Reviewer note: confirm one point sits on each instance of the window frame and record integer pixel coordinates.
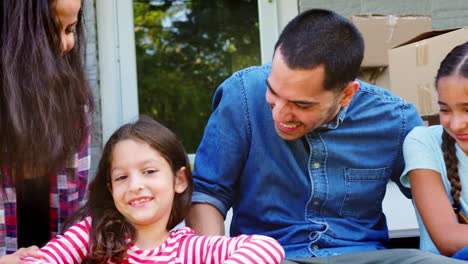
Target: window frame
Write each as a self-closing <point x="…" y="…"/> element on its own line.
<point x="273" y="15"/>
<point x="116" y="64"/>
<point x="117" y="59"/>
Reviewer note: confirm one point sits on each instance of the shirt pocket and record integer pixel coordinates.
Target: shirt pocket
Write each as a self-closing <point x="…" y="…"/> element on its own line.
<point x="365" y="190"/>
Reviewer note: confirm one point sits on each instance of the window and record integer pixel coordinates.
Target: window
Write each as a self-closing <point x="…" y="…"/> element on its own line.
<point x="185" y="50"/>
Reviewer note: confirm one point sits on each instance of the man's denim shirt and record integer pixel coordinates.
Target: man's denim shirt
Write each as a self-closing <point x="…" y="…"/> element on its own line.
<point x="318" y="196"/>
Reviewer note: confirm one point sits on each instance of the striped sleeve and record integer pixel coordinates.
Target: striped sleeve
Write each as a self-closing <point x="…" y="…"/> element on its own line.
<point x="231" y="250"/>
<point x="71" y="247"/>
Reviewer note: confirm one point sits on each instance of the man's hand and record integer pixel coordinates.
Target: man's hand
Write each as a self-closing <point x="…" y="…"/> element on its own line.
<point x="16" y="257"/>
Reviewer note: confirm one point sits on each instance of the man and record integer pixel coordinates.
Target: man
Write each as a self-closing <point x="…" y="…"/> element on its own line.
<point x="303" y="152"/>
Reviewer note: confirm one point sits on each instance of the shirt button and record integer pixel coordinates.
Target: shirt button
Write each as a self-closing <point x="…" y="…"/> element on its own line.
<point x="316" y="203"/>
<point x="316" y="165"/>
<point x="315" y="247"/>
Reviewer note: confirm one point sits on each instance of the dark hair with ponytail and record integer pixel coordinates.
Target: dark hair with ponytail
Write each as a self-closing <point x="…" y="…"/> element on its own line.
<point x="451" y="164"/>
<point x="455" y="63"/>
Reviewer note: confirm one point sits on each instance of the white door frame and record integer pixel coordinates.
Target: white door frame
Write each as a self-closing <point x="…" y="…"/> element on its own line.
<point x="116" y="64"/>
<point x="273" y="15"/>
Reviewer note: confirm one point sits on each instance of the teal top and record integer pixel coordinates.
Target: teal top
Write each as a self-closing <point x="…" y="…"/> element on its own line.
<point x="422" y="150"/>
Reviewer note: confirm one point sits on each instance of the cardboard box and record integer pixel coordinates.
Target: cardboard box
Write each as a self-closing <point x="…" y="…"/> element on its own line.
<point x="413" y="66"/>
<point x="382" y="32"/>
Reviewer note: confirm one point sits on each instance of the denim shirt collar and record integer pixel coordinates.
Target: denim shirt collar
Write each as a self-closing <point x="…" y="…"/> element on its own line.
<point x="336" y="121"/>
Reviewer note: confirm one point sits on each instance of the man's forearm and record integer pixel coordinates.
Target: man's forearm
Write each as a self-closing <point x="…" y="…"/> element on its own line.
<point x="205" y="219"/>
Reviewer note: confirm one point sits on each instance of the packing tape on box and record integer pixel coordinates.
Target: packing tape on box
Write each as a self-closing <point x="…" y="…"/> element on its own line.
<point x="391" y="23"/>
<point x="422" y="53"/>
<point x="425" y="101"/>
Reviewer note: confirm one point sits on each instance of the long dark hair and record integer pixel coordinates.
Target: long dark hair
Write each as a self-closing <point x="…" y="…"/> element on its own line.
<point x="44" y="96"/>
<point x="455" y="63"/>
<point x="109" y="227"/>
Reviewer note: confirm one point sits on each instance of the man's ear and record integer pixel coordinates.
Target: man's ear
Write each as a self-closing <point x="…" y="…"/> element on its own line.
<point x="349" y="93"/>
<point x="181" y="181"/>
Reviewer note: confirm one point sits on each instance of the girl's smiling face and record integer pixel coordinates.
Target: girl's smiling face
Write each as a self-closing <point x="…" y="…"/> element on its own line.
<point x="143" y="184"/>
<point x="453" y="102"/>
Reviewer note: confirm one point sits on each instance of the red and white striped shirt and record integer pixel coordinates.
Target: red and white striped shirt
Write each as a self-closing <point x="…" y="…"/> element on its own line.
<point x="182" y="246"/>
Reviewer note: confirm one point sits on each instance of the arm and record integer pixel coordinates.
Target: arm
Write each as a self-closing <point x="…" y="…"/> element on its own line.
<point x="411" y="120"/>
<point x="71" y="247"/>
<point x="205" y="219"/>
<point x="252" y="249"/>
<point x="436" y="211"/>
<point x="219" y="160"/>
<point x="21" y="253"/>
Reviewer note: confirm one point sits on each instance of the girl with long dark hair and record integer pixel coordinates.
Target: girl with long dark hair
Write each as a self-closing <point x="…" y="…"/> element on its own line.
<point x="436" y="160"/>
<point x="142" y="190"/>
<point x="45" y="103"/>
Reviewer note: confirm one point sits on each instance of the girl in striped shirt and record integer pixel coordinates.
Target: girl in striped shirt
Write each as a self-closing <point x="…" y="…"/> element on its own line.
<point x="141" y="191"/>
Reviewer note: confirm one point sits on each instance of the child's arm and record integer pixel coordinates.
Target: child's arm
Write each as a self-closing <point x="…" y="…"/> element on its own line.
<point x="71" y="247"/>
<point x="253" y="249"/>
<point x="436" y="211"/>
<point x="16" y="257"/>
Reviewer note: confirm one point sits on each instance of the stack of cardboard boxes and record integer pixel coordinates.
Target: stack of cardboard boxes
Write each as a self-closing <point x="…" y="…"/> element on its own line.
<point x="402" y="54"/>
<point x="414" y="64"/>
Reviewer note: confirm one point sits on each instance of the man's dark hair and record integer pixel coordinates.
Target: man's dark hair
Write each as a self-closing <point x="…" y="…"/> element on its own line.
<point x="319" y="36"/>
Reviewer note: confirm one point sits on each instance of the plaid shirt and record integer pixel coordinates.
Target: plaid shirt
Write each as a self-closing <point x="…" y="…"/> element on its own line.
<point x="67" y="193"/>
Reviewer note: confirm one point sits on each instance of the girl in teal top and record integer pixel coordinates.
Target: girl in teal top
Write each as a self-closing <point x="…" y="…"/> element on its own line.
<point x="436" y="160"/>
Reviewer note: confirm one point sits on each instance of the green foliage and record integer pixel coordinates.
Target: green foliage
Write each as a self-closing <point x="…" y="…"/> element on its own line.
<point x="185" y="49"/>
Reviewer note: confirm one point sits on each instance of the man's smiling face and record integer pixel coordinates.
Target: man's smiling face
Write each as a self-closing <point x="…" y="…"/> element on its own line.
<point x="298" y="101"/>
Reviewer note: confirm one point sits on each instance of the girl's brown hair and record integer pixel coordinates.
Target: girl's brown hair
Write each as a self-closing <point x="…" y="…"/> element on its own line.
<point x="455" y="63"/>
<point x="109" y="227"/>
<point x="44" y="96"/>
